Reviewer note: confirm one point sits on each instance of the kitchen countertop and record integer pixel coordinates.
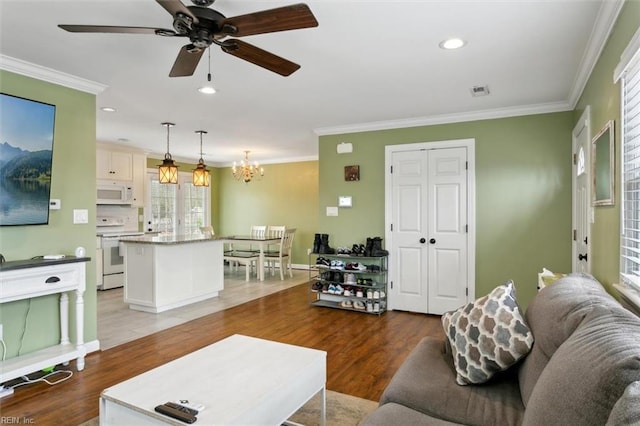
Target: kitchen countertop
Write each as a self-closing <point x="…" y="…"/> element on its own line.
<point x="169" y="239"/>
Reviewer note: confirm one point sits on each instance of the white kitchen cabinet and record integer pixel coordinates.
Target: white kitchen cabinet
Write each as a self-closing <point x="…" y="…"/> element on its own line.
<point x="139" y="174"/>
<point x="114" y="165"/>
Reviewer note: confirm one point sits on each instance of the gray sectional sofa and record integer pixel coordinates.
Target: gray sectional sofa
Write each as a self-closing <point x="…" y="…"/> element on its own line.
<point x="583" y="369"/>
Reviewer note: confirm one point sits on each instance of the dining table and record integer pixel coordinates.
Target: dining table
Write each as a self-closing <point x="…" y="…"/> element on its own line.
<point x="261" y="242"/>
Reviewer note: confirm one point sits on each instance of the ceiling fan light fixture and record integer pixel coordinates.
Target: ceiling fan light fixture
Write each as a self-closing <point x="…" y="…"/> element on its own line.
<point x="168" y="171"/>
<point x="207" y="90"/>
<point x="452" y="44"/>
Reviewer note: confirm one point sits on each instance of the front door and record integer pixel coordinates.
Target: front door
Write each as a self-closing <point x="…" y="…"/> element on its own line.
<point x="428" y="204"/>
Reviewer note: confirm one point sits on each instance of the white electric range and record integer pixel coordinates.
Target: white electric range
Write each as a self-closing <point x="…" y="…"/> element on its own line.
<point x="109" y="230"/>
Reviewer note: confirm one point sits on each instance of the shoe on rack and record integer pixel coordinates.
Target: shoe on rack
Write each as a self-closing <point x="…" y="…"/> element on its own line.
<point x="358" y="305"/>
<point x="332" y="289"/>
<point x="359" y="292"/>
<point x="325" y="288"/>
<point x="338" y="289"/>
<point x="316" y="287"/>
<point x="337" y="264"/>
<point x="348" y="291"/>
<point x="346" y="304"/>
<point x="373" y="268"/>
<point x="322" y="261"/>
<point x="349" y="278"/>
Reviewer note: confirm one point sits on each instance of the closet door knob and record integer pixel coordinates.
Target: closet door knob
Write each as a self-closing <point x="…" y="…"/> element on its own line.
<point x="422" y="241"/>
<point x="432" y="241"/>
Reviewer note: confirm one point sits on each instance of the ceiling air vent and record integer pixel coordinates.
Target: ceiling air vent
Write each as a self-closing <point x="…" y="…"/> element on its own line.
<point x="479" y="91"/>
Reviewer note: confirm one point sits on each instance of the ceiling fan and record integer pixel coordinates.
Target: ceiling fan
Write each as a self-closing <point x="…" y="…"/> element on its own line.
<point x="204" y="26"/>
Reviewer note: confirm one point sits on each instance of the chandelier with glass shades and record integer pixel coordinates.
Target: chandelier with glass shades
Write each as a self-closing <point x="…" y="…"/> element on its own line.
<point x="168" y="171"/>
<point x="201" y="176"/>
<point x="247" y="171"/>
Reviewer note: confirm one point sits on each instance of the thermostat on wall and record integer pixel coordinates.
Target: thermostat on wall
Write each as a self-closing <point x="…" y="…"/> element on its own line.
<point x="344" y="201"/>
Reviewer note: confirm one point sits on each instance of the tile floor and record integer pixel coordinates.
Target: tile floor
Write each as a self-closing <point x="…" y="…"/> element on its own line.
<point x="118" y="324"/>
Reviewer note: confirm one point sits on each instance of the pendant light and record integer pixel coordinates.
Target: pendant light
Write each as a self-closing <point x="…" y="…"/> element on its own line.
<point x="168" y="171"/>
<point x="201" y="175"/>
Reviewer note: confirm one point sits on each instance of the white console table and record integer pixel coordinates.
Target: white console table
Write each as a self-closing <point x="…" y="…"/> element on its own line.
<point x="27" y="279"/>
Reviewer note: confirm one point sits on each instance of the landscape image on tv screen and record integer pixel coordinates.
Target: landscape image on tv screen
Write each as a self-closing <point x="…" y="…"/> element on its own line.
<point x="26" y="152"/>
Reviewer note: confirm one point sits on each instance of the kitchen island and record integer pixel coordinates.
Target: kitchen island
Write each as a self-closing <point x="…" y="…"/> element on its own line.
<point x="166" y="272"/>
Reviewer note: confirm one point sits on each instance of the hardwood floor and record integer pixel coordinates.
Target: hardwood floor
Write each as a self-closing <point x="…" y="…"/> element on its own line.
<point x="363" y="352"/>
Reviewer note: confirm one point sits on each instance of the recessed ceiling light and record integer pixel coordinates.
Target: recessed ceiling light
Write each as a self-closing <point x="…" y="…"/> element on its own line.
<point x="208" y="90"/>
<point x="452" y="43"/>
<point x="108" y="109"/>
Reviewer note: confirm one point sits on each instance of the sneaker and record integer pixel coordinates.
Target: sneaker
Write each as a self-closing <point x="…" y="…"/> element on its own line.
<point x="348" y="291"/>
<point x="373" y="268"/>
<point x="331" y="289"/>
<point x="346" y="304"/>
<point x="325" y="288"/>
<point x="338" y="289"/>
<point x="360" y="267"/>
<point x="322" y="261"/>
<point x="316" y="287"/>
<point x="358" y="305"/>
<point x="337" y="264"/>
<point x="359" y="292"/>
<point x="349" y="278"/>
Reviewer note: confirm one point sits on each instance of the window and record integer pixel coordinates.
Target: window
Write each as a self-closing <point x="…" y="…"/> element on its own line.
<point x="176" y="209"/>
<point x="629" y="71"/>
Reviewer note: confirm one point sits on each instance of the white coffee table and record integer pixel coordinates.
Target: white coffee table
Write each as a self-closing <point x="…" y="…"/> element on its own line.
<point x="240" y="380"/>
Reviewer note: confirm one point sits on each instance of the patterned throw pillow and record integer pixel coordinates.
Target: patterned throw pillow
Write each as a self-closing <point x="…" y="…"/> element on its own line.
<point x="487" y="336"/>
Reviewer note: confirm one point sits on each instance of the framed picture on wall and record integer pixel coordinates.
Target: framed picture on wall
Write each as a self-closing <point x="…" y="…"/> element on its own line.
<point x="602" y="157"/>
<point x="351" y="173"/>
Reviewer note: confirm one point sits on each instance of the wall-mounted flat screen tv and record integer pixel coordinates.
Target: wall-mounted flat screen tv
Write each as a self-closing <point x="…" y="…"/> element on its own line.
<point x="26" y="153"/>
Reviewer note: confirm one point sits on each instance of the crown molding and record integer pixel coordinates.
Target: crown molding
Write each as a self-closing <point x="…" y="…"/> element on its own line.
<point x="607" y="16"/>
<point x="49" y="75"/>
<point x="446" y="118"/>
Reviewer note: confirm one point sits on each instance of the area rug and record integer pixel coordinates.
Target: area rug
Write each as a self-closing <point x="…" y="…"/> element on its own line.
<point x="342" y="410"/>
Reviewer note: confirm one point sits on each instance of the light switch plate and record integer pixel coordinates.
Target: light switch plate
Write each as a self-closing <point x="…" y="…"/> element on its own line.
<point x="332" y="211"/>
<point x="80" y="216"/>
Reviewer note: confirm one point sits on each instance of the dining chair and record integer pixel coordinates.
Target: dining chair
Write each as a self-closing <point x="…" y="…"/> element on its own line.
<point x="283" y="256"/>
<point x="207" y="231"/>
<point x="242" y="258"/>
<point x="275" y="231"/>
<point x="257" y="231"/>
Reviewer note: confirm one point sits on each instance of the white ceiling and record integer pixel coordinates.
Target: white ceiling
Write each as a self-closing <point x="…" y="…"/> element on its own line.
<point x="368" y="65"/>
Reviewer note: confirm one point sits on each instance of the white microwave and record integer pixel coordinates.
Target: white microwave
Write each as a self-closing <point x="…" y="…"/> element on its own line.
<point x="114" y="193"/>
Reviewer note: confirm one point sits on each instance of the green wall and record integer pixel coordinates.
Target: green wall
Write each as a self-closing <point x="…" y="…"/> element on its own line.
<point x="74" y="153"/>
<point x="603" y="97"/>
<point x="523" y="192"/>
<point x="286" y="195"/>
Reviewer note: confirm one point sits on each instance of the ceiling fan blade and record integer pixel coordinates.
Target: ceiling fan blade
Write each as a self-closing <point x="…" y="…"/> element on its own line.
<point x="285" y="18"/>
<point x="114" y="29"/>
<point x="257" y="56"/>
<point x="176" y="6"/>
<point x="186" y="62"/>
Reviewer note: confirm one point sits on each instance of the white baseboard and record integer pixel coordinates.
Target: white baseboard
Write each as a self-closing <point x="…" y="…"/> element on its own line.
<point x="92" y="346"/>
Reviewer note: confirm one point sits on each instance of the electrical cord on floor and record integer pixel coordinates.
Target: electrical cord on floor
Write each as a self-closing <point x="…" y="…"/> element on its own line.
<point x="28" y="381"/>
<point x="24" y="329"/>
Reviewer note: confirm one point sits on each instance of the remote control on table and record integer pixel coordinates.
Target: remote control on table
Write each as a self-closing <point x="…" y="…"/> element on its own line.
<point x="190" y="404"/>
<point x="176" y="414"/>
<point x="182" y="408"/>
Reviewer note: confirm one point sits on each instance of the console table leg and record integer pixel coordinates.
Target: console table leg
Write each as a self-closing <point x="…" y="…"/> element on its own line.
<point x="64" y="319"/>
<point x="82" y="351"/>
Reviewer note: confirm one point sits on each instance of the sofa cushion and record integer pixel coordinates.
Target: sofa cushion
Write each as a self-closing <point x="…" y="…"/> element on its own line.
<point x="626" y="412"/>
<point x="589" y="372"/>
<point x="396" y="414"/>
<point x="426" y="382"/>
<point x="487" y="336"/>
<point x="553" y="315"/>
